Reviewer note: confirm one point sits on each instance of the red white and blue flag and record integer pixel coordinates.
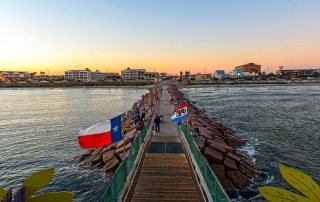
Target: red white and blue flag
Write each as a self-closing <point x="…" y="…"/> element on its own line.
<point x="101" y="134"/>
<point x="180" y="113"/>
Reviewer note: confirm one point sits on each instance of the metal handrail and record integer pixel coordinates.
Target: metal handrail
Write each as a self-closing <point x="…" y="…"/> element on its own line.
<point x="123" y="173"/>
<point x="118" y="180"/>
<point x="212" y="187"/>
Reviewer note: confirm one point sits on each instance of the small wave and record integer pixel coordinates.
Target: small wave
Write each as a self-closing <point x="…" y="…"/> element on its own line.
<point x="269" y="180"/>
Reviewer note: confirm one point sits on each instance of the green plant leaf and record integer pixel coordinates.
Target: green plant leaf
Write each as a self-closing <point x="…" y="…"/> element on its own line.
<point x="301" y="181"/>
<point x="37" y="181"/>
<point x="52" y="197"/>
<point x="280" y="195"/>
<point x="2" y="192"/>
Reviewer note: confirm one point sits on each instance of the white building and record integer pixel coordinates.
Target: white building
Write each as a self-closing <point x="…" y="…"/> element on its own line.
<point x="132" y="74"/>
<point x="78" y="75"/>
<point x="14" y="75"/>
<point x="102" y="76"/>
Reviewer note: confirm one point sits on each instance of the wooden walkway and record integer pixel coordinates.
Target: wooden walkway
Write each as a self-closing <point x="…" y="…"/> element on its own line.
<point x="165" y="177"/>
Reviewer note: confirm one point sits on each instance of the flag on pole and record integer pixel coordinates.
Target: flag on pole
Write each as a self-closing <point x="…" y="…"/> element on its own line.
<point x="180" y="113"/>
<point x="101" y="134"/>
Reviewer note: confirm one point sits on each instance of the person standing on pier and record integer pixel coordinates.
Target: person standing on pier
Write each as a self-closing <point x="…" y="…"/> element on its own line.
<point x="157" y="122"/>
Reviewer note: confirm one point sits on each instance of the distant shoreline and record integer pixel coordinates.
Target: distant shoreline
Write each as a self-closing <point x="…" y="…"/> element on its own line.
<point x="216" y="85"/>
<point x="131" y="85"/>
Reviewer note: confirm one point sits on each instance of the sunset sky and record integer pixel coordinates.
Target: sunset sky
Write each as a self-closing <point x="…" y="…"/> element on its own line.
<point x="165" y="35"/>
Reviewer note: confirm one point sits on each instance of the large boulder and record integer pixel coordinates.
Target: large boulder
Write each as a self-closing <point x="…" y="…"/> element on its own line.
<point x="200" y="142"/>
<point x="213" y="155"/>
<point x="239" y="179"/>
<point x="218" y="170"/>
<point x="109" y="147"/>
<point x="96" y="159"/>
<point x="206" y="135"/>
<point x="121" y="143"/>
<point x="84" y="155"/>
<point x="237" y="158"/>
<point x="123" y="149"/>
<point x="247" y="169"/>
<point x="221" y="147"/>
<point x="227" y="185"/>
<point x="97" y="151"/>
<point x="112" y="165"/>
<point x="219" y="139"/>
<point x="130" y="135"/>
<point x="234" y="141"/>
<point x="230" y="164"/>
<point x="108" y="156"/>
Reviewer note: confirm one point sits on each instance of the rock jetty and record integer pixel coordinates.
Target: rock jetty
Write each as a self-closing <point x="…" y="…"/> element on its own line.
<point x="109" y="157"/>
<point x="219" y="144"/>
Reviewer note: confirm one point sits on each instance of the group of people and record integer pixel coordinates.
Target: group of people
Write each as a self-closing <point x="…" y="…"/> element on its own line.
<point x="138" y="117"/>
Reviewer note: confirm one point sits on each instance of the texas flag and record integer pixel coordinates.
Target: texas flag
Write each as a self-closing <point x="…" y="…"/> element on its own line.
<point x="180" y="113"/>
<point x="101" y="134"/>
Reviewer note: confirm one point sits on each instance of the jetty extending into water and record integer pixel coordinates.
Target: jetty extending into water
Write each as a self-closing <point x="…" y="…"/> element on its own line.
<point x="164" y="166"/>
<point x="195" y="160"/>
<point x="165" y="173"/>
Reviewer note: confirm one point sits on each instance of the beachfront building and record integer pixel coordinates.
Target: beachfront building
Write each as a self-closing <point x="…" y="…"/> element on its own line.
<point x="200" y="77"/>
<point x="78" y="75"/>
<point x="250" y="67"/>
<point x="298" y="72"/>
<point x="219" y="74"/>
<point x="102" y="76"/>
<point x="14" y="76"/>
<point x="133" y="74"/>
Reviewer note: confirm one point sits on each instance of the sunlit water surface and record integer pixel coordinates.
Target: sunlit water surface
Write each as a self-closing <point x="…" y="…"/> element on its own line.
<point x="39" y="128"/>
<point x="281" y="125"/>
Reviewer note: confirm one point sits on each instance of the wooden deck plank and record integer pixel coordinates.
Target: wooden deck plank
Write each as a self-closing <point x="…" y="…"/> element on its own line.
<point x="165" y="177"/>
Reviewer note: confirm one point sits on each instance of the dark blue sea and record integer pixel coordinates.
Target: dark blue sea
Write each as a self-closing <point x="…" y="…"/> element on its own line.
<point x="280" y="123"/>
<point x="39" y="128"/>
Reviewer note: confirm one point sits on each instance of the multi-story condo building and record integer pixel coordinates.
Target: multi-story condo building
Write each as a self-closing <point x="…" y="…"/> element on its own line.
<point x="133" y="74"/>
<point x="88" y="75"/>
<point x="14" y="75"/>
<point x="250" y="67"/>
<point x="78" y="75"/>
<point x="101" y="76"/>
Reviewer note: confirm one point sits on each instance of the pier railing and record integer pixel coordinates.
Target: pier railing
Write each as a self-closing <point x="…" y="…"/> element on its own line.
<point x="119" y="178"/>
<point x="209" y="181"/>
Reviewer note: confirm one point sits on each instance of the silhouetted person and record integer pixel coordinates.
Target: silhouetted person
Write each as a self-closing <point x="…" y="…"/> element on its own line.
<point x="157" y="122"/>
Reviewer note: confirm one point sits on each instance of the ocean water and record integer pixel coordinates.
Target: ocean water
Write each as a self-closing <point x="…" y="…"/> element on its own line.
<point x="280" y="123"/>
<point x="39" y="128"/>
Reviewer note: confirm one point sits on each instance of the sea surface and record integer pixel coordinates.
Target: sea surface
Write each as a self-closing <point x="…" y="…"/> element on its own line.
<point x="280" y="123"/>
<point x="39" y="128"/>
